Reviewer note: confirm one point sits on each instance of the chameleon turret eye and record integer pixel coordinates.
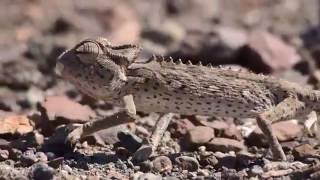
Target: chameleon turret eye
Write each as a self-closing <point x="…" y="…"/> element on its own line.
<point x="88" y="51"/>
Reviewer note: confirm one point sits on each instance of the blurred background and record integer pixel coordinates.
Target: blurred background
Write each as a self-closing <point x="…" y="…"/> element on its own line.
<point x="278" y="37"/>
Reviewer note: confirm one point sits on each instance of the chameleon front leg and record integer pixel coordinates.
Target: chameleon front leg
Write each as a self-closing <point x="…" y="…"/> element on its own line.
<point x="126" y="116"/>
<point x="146" y="150"/>
<point x="287" y="109"/>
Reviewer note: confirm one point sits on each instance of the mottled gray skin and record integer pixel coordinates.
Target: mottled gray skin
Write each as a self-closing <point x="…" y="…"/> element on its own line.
<point x="107" y="72"/>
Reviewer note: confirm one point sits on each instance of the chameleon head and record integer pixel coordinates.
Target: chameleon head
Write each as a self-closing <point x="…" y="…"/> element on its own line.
<point x="90" y="65"/>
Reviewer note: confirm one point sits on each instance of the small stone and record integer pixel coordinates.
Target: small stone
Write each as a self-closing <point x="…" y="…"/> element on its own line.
<point x="28" y="158"/>
<point x="4" y="155"/>
<point x="227" y="161"/>
<point x="179" y="128"/>
<point x="50" y="155"/>
<point x="41" y="156"/>
<point x="162" y="164"/>
<point x="41" y="171"/>
<point x="148" y="176"/>
<point x="286" y="130"/>
<point x="256" y="170"/>
<point x="266" y="52"/>
<point x="199" y="135"/>
<point x="225" y="145"/>
<point x="188" y="163"/>
<point x="208" y="160"/>
<point x="15" y="124"/>
<point x="129" y="140"/>
<point x="303" y="151"/>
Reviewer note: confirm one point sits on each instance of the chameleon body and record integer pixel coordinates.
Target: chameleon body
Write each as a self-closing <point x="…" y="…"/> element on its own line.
<point x="110" y="73"/>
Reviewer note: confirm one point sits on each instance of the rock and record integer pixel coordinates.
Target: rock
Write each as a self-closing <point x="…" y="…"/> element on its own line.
<point x="227" y="161"/>
<point x="41" y="171"/>
<point x="146" y="176"/>
<point x="266" y="53"/>
<point x="232" y="37"/>
<point x="15" y="124"/>
<point x="188" y="163"/>
<point x="28" y="158"/>
<point x="199" y="135"/>
<point x="162" y="164"/>
<point x="218" y="126"/>
<point x="41" y="156"/>
<point x="233" y="133"/>
<point x="225" y="145"/>
<point x="29" y="140"/>
<point x="208" y="160"/>
<point x="256" y="170"/>
<point x="129" y="140"/>
<point x="9" y="172"/>
<point x="286" y="130"/>
<point x="179" y="128"/>
<point x="303" y="151"/>
<point x="4" y="155"/>
<point x="63" y="107"/>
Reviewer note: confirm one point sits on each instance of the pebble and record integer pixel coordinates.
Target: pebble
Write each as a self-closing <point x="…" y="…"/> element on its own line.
<point x="28" y="158"/>
<point x="41" y="171"/>
<point x="129" y="140"/>
<point x="303" y="151"/>
<point x="188" y="163"/>
<point x="256" y="170"/>
<point x="162" y="164"/>
<point x="146" y="176"/>
<point x="199" y="135"/>
<point x="4" y="155"/>
<point x="225" y="145"/>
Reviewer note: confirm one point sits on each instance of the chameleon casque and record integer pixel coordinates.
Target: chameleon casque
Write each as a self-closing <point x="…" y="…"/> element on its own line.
<point x="111" y="73"/>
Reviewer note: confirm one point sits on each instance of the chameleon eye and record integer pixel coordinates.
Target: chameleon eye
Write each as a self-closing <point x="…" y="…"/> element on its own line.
<point x="88" y="51"/>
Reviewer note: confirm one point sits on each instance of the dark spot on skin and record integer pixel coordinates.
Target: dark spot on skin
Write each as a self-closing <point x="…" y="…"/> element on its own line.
<point x="218" y="102"/>
<point x="227" y="112"/>
<point x="166" y="99"/>
<point x="234" y="110"/>
<point x="188" y="107"/>
<point x="155" y="88"/>
<point x="154" y="96"/>
<point x="158" y="102"/>
<point x="229" y="105"/>
<point x="93" y="87"/>
<point x="160" y="94"/>
<point x="147" y="80"/>
<point x="218" y="109"/>
<point x="178" y="98"/>
<point x="182" y="87"/>
<point x="209" y="108"/>
<point x="199" y="103"/>
<point x="148" y="97"/>
<point x="178" y="108"/>
<point x="208" y="103"/>
<point x="169" y="82"/>
<point x="166" y="107"/>
<point x="191" y="99"/>
<point x="195" y="110"/>
<point x="168" y="94"/>
<point x="145" y="90"/>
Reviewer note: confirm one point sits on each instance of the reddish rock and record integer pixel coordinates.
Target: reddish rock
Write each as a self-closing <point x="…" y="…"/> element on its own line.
<point x="162" y="164"/>
<point x="266" y="52"/>
<point x="303" y="151"/>
<point x="199" y="135"/>
<point x="180" y="127"/>
<point x="287" y="130"/>
<point x="225" y="145"/>
<point x="15" y="124"/>
<point x="61" y="106"/>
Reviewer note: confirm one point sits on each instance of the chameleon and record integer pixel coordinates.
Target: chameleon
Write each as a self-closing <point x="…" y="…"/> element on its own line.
<point x="114" y="74"/>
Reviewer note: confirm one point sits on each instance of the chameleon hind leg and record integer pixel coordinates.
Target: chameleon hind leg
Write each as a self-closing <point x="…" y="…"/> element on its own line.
<point x="285" y="110"/>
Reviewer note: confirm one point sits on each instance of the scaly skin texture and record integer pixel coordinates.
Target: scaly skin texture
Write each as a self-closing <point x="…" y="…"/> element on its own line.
<point x="110" y="73"/>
